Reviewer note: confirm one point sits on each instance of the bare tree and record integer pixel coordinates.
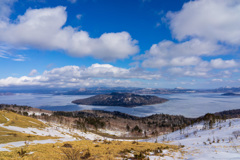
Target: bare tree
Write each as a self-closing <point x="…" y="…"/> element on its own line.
<point x="236" y="134"/>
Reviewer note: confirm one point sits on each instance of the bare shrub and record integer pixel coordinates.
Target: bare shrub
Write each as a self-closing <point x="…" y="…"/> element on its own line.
<point x="67" y="145"/>
<point x="230" y="139"/>
<point x="22" y="152"/>
<point x="236" y="134"/>
<point x="71" y="153"/>
<point x="195" y="132"/>
<point x="235" y="148"/>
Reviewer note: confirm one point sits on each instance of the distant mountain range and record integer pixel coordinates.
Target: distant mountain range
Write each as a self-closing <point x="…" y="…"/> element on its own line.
<point x="107" y="90"/>
<point x="102" y="90"/>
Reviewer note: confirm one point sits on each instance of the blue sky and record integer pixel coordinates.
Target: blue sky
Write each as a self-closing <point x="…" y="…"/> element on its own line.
<point x="137" y="43"/>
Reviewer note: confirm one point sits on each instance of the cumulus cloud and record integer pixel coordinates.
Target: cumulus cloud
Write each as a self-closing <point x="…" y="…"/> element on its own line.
<point x="168" y="53"/>
<point x="191" y="47"/>
<point x="43" y="28"/>
<point x="99" y="71"/>
<point x="185" y="59"/>
<point x="33" y="72"/>
<point x="75" y="76"/>
<point x="220" y="64"/>
<point x="217" y="80"/>
<point x="39" y="81"/>
<point x="205" y="30"/>
<point x="216" y="20"/>
<point x="5" y="8"/>
<point x="201" y="70"/>
<point x="225" y="74"/>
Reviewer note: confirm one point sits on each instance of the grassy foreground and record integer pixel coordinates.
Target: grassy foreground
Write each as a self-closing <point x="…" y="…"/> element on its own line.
<point x="86" y="149"/>
<point x="8" y="118"/>
<point x="19" y="120"/>
<point x="7" y="136"/>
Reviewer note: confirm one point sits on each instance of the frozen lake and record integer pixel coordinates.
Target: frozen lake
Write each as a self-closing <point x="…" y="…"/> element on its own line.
<point x="189" y="105"/>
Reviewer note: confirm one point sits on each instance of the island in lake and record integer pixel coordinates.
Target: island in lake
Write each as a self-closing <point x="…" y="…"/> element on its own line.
<point x="120" y="99"/>
<point x="230" y="94"/>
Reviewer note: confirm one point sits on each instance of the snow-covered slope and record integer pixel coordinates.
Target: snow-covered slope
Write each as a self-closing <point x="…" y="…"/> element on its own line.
<point x="55" y="130"/>
<point x="220" y="140"/>
<point x="204" y="143"/>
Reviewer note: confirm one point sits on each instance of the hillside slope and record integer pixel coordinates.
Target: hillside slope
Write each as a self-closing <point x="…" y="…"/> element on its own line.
<point x="202" y="141"/>
<point x="13" y="127"/>
<point x="37" y="142"/>
<point x="8" y="118"/>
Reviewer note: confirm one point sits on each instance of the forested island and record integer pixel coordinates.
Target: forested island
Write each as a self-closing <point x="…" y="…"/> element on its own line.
<point x="120" y="99"/>
<point x="230" y="94"/>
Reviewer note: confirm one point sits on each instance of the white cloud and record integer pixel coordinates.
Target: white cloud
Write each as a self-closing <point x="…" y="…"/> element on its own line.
<point x="221" y="64"/>
<point x="4" y="51"/>
<point x="19" y="58"/>
<point x="217" y="80"/>
<point x="158" y="24"/>
<point x="226" y="73"/>
<point x="43" y="28"/>
<point x="33" y="72"/>
<point x="190" y="72"/>
<point x="72" y="1"/>
<point x="216" y="20"/>
<point x="78" y="16"/>
<point x="100" y="71"/>
<point x="7" y="52"/>
<point x="185" y="61"/>
<point x="188" y="48"/>
<point x="168" y="53"/>
<point x="236" y="70"/>
<point x="39" y="81"/>
<point x="75" y="76"/>
<point x="204" y="29"/>
<point x="5" y="8"/>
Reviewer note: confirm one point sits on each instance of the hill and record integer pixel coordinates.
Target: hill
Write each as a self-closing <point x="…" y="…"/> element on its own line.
<point x="13" y="127"/>
<point x="204" y="140"/>
<point x="120" y="99"/>
<point x="211" y="136"/>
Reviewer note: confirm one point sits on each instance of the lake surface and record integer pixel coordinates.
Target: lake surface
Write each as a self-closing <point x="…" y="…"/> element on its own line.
<point x="189" y="105"/>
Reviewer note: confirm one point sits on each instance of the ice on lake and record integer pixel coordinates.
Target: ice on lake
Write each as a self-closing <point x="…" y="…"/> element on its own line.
<point x="189" y="105"/>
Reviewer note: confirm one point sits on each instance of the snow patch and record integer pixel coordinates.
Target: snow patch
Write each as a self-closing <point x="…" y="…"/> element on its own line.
<point x="201" y="144"/>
